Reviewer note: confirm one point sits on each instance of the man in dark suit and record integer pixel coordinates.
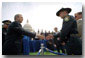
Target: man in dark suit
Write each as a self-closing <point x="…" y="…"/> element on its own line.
<point x="69" y="33"/>
<point x="13" y="44"/>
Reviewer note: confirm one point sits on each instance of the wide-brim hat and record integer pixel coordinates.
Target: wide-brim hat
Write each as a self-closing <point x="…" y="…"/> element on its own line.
<point x="63" y="9"/>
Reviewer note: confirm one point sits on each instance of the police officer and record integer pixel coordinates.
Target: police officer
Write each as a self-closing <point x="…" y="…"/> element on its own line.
<point x="13" y="44"/>
<point x="4" y="29"/>
<point x="69" y="33"/>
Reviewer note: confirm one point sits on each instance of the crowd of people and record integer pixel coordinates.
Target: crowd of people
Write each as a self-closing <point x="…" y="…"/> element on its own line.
<point x="69" y="38"/>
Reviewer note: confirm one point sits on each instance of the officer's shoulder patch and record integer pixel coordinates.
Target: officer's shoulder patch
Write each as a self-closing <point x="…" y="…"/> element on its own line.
<point x="66" y="18"/>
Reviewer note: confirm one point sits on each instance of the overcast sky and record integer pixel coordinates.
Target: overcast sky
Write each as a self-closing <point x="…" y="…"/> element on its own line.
<point x="41" y="15"/>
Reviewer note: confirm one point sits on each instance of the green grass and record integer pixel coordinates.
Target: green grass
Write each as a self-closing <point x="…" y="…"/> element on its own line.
<point x="45" y="53"/>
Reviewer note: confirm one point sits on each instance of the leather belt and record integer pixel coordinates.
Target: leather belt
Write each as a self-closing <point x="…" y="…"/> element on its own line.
<point x="73" y="34"/>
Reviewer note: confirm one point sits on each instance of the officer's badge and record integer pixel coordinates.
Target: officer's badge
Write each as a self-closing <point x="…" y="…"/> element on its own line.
<point x="66" y="19"/>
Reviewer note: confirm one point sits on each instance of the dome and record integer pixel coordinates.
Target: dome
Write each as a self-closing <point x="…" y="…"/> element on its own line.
<point x="28" y="27"/>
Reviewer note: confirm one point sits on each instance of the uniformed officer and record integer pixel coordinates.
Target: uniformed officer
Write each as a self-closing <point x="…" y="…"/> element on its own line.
<point x="15" y="32"/>
<point x="4" y="29"/>
<point x="69" y="32"/>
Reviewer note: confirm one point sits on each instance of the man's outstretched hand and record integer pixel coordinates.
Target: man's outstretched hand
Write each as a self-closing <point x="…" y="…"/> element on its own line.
<point x="40" y="36"/>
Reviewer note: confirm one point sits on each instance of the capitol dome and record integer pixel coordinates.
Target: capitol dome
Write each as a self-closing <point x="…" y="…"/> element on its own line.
<point x="28" y="27"/>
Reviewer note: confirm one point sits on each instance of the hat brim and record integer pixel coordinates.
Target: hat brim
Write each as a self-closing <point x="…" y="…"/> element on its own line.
<point x="6" y="21"/>
<point x="63" y="9"/>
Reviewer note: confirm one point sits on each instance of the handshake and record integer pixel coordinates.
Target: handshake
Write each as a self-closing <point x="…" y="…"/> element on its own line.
<point x="50" y="36"/>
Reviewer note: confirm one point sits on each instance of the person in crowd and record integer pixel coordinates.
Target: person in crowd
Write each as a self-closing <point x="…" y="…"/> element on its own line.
<point x="57" y="43"/>
<point x="78" y="17"/>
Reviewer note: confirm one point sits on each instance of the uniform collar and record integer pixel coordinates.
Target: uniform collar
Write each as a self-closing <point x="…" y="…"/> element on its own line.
<point x="65" y="16"/>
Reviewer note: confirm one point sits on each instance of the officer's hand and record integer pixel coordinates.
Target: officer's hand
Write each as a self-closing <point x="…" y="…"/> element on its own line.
<point x="40" y="36"/>
<point x="50" y="36"/>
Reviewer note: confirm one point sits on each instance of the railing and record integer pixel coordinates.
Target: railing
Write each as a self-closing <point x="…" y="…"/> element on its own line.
<point x="42" y="50"/>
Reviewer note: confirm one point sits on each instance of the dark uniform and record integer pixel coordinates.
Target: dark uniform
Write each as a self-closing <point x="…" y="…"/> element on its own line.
<point x="13" y="44"/>
<point x="4" y="30"/>
<point x="68" y="34"/>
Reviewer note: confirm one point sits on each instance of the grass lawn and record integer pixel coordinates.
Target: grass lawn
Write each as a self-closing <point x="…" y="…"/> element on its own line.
<point x="45" y="53"/>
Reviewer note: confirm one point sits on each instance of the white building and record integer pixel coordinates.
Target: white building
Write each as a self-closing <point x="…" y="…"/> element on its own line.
<point x="28" y="27"/>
